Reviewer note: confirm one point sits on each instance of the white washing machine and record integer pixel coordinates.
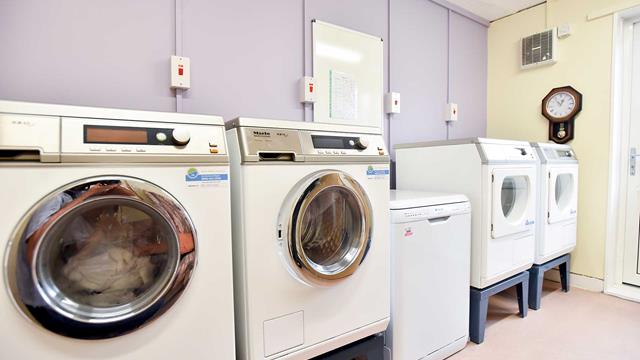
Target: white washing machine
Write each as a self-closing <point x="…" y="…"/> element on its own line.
<point x="558" y="199"/>
<point x="115" y="234"/>
<point x="499" y="178"/>
<point x="311" y="236"/>
<point x="430" y="254"/>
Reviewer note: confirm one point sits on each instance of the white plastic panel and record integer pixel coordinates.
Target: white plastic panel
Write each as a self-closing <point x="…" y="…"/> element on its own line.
<point x="348" y="69"/>
<point x="283" y="333"/>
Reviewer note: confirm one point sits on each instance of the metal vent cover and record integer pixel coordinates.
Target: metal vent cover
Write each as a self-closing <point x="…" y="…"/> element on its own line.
<point x="539" y="49"/>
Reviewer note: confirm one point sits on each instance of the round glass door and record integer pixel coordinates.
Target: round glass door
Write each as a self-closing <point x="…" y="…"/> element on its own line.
<point x="564" y="191"/>
<point x="330" y="228"/>
<point x="101" y="258"/>
<point x="514" y="195"/>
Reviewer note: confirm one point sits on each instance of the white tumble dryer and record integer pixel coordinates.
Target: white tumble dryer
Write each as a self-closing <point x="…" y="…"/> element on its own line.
<point x="499" y="178"/>
<point x="558" y="201"/>
<point x="115" y="234"/>
<point x="310" y="209"/>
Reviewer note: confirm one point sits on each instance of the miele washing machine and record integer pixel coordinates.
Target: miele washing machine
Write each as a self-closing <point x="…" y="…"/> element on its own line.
<point x="310" y="208"/>
<point x="115" y="234"/>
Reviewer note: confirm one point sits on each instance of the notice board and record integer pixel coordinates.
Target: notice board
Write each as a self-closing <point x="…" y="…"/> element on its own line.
<point x="348" y="70"/>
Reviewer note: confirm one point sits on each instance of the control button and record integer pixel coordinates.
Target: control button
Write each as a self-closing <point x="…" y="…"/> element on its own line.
<point x="125" y="149"/>
<point x="320" y="152"/>
<point x="213" y="150"/>
<point x="94" y="148"/>
<point x="336" y="152"/>
<point x="180" y="136"/>
<point x="352" y="143"/>
<point x="362" y="143"/>
<point x="141" y="150"/>
<point x="110" y="149"/>
<point x="161" y="137"/>
<point x="343" y="152"/>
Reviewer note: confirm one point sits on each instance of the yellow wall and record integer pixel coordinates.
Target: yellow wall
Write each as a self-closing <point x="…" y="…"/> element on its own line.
<point x="515" y="95"/>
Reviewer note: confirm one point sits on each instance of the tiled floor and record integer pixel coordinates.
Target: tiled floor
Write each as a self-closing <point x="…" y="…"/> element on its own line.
<point x="569" y="326"/>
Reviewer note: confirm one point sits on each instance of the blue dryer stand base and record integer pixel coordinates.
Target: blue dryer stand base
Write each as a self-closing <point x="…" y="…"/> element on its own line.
<point x="479" y="303"/>
<point x="536" y="278"/>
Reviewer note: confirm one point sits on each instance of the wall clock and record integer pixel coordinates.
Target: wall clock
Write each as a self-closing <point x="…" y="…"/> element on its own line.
<point x="560" y="107"/>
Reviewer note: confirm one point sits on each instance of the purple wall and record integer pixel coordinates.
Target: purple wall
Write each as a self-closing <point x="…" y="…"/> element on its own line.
<point x="247" y="56"/>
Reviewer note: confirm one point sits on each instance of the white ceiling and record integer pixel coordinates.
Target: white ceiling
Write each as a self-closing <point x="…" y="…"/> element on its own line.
<point x="494" y="9"/>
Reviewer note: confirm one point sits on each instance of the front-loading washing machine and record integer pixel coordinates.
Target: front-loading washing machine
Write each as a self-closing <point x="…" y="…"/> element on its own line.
<point x="310" y="206"/>
<point x="558" y="201"/>
<point x="499" y="178"/>
<point x="115" y="234"/>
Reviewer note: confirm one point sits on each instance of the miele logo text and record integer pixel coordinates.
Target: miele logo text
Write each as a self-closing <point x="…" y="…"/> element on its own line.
<point x="261" y="133"/>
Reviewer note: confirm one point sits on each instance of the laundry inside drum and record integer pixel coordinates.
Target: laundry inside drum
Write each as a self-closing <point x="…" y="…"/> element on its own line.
<point x="107" y="255"/>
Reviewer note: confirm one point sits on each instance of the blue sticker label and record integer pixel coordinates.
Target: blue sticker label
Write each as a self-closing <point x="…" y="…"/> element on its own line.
<point x="194" y="177"/>
<point x="377" y="172"/>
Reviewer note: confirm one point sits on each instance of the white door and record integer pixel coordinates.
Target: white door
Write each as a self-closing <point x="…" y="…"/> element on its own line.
<point x="513" y="201"/>
<point x="563" y="194"/>
<point x="631" y="269"/>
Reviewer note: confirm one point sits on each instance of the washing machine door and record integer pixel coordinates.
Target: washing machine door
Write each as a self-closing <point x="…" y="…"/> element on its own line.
<point x="563" y="194"/>
<point x="512" y="201"/>
<point x="329" y="228"/>
<point x="101" y="257"/>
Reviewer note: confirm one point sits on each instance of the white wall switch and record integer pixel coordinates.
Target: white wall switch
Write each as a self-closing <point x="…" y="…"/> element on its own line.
<point x="451" y="112"/>
<point x="564" y="31"/>
<point x="392" y="103"/>
<point x="180" y="72"/>
<point x="308" y="90"/>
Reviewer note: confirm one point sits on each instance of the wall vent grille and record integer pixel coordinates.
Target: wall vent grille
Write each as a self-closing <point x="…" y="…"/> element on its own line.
<point x="539" y="49"/>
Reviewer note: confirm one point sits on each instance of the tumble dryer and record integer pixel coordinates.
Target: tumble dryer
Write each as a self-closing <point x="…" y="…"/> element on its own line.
<point x="499" y="178"/>
<point x="558" y="201"/>
<point x="310" y="209"/>
<point x="115" y="234"/>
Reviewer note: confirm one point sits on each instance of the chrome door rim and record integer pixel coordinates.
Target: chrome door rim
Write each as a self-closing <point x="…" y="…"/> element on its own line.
<point x="308" y="269"/>
<point x="23" y="273"/>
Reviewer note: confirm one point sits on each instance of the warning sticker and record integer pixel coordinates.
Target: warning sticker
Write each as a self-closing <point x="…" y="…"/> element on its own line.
<point x="195" y="178"/>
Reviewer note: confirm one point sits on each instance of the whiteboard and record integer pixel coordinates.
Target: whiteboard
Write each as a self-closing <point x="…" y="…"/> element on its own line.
<point x="348" y="70"/>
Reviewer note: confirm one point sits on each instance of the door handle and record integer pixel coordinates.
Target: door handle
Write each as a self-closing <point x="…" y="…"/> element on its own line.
<point x="633" y="154"/>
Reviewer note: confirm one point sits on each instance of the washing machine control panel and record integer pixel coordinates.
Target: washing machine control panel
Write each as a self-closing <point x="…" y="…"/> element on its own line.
<point x="100" y="137"/>
<point x="272" y="144"/>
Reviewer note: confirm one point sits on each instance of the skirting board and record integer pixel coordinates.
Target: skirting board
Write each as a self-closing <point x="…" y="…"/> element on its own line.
<point x="577" y="280"/>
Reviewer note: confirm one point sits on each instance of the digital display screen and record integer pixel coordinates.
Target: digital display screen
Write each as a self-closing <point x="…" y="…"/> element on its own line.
<point x="115" y="135"/>
<point x="332" y="142"/>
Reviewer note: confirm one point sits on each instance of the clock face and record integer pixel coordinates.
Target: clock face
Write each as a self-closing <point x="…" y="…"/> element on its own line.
<point x="561" y="104"/>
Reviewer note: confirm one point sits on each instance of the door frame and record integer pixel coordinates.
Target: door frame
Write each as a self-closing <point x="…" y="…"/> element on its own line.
<point x="618" y="149"/>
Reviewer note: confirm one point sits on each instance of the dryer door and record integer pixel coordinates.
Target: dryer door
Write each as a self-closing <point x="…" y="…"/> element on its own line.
<point x="101" y="257"/>
<point x="512" y="201"/>
<point x="329" y="228"/>
<point x="562" y="197"/>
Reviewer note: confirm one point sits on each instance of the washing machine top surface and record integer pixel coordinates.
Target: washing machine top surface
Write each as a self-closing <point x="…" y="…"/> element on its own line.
<point x="29" y="108"/>
<point x="76" y="134"/>
<point x="407" y="199"/>
<point x="290" y="142"/>
<point x="555" y="153"/>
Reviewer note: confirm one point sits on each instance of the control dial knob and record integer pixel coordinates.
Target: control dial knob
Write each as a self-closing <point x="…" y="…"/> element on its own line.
<point x="362" y="143"/>
<point x="180" y="136"/>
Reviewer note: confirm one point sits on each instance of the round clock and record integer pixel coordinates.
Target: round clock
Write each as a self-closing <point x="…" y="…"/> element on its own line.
<point x="562" y="104"/>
